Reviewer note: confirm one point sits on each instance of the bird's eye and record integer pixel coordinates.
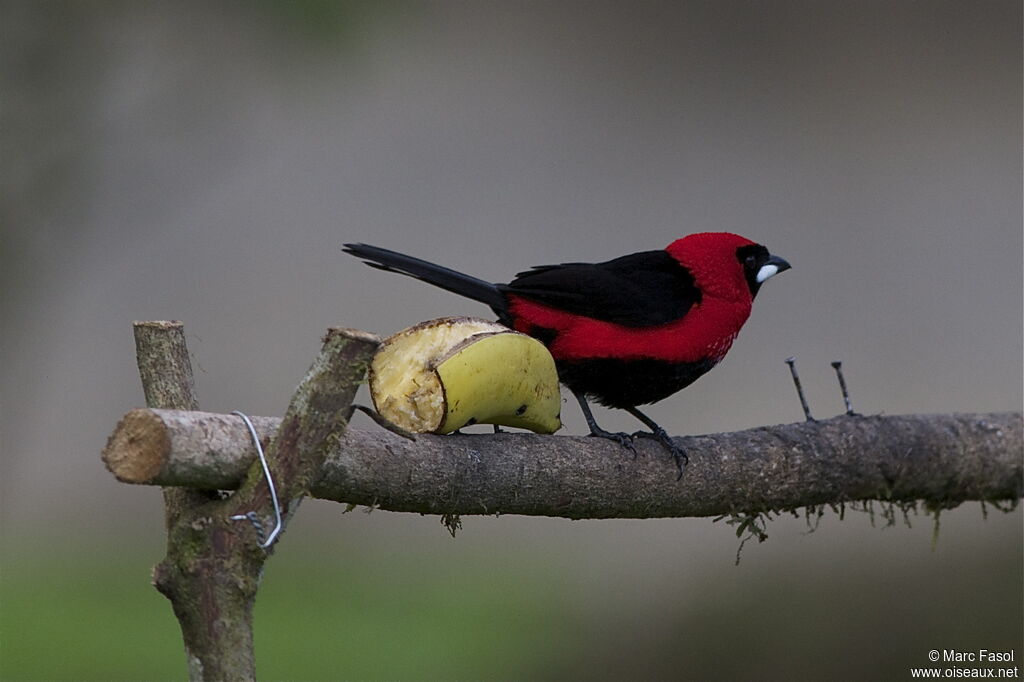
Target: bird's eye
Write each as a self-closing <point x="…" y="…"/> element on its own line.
<point x="750" y="261"/>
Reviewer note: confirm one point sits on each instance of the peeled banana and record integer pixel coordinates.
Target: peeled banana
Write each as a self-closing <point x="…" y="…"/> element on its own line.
<point x="441" y="375"/>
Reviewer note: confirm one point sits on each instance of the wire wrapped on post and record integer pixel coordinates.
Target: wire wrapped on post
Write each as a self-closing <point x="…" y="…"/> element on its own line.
<point x="265" y="540"/>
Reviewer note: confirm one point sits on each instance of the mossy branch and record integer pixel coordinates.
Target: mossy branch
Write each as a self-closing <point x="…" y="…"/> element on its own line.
<point x="213" y="565"/>
<point x="941" y="459"/>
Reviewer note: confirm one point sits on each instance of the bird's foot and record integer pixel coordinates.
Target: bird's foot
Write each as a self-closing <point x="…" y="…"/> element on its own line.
<point x="678" y="454"/>
<point x="623" y="439"/>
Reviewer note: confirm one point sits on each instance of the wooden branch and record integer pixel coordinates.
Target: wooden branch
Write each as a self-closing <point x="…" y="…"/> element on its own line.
<point x="941" y="459"/>
<point x="197" y="601"/>
<point x="167" y="382"/>
<point x="164" y="365"/>
<point x="213" y="565"/>
<point x="318" y="412"/>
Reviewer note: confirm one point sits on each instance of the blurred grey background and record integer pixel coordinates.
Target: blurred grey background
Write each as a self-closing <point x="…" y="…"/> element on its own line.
<point x="205" y="162"/>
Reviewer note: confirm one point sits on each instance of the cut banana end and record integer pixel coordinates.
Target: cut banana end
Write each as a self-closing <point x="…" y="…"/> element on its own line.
<point x="441" y="375"/>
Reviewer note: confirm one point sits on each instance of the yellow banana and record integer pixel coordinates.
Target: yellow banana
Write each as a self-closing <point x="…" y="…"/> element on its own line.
<point x="441" y="375"/>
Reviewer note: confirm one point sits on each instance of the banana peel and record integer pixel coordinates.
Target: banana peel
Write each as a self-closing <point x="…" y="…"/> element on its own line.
<point x="441" y="375"/>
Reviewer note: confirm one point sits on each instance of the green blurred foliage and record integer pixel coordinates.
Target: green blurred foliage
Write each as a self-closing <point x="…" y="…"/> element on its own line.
<point x="85" y="615"/>
<point x="480" y="611"/>
<point x="92" y="615"/>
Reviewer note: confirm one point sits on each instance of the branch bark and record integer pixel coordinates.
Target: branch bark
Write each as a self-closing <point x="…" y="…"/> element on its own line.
<point x="167" y="381"/>
<point x="213" y="564"/>
<point x="940" y="459"/>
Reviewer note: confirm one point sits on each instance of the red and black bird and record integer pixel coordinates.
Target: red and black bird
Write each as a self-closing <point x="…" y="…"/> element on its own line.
<point x="626" y="332"/>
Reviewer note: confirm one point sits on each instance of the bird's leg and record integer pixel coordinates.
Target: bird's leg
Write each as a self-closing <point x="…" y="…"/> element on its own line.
<point x="659" y="434"/>
<point x="622" y="439"/>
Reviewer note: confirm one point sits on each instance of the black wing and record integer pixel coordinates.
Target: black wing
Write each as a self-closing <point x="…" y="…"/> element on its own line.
<point x="639" y="290"/>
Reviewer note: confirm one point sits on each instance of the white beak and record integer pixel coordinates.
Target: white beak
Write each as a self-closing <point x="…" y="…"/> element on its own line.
<point x="766" y="272"/>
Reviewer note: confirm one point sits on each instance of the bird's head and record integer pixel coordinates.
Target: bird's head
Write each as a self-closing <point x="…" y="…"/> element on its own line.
<point x="726" y="265"/>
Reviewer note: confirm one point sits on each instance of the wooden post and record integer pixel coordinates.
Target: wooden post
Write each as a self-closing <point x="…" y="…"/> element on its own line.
<point x="213" y="564"/>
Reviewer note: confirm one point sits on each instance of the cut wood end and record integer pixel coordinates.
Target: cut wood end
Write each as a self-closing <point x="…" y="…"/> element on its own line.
<point x="138" y="448"/>
<point x="159" y="324"/>
<point x="354" y="334"/>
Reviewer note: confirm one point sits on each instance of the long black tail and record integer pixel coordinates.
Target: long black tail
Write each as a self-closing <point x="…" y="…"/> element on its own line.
<point x="439" y="276"/>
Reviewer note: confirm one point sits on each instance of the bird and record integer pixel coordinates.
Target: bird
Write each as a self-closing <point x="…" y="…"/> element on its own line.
<point x="624" y="332"/>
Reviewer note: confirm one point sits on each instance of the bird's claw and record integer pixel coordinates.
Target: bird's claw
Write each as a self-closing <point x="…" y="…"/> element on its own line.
<point x="678" y="454"/>
<point x="623" y="439"/>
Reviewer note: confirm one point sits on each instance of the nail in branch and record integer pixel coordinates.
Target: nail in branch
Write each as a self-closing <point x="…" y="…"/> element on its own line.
<point x="799" y="389"/>
<point x="838" y="367"/>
